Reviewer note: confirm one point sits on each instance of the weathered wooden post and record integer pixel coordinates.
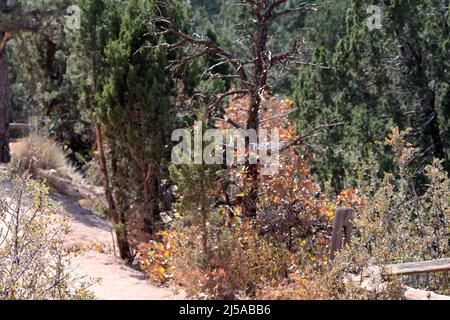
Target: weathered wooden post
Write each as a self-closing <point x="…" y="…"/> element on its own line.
<point x="342" y="230"/>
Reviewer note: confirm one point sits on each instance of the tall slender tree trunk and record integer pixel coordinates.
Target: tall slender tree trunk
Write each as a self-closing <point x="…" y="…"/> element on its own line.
<point x="260" y="38"/>
<point x="118" y="218"/>
<point x="204" y="217"/>
<point x="122" y="240"/>
<point x="5" y="112"/>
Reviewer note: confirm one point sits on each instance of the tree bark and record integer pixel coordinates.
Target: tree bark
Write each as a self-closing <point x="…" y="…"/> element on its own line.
<point x="5" y="112"/>
<point x="259" y="87"/>
<point x="151" y="194"/>
<point x="119" y="217"/>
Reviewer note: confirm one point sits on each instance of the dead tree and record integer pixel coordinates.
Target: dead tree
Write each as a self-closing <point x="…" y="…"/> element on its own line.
<point x="254" y="71"/>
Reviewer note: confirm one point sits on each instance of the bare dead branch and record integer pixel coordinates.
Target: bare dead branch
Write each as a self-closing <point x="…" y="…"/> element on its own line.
<point x="277" y="116"/>
<point x="289" y="55"/>
<point x="4" y="40"/>
<point x="272" y="7"/>
<point x="210" y="47"/>
<point x="220" y="97"/>
<point x="304" y="7"/>
<point x="306" y="136"/>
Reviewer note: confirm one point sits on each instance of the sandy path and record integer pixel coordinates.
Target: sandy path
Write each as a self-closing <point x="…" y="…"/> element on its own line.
<point x="119" y="281"/>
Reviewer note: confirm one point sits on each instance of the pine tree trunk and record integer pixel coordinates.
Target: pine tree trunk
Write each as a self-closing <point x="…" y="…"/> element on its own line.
<point x="124" y="247"/>
<point x="119" y="218"/>
<point x="5" y="113"/>
<point x="204" y="217"/>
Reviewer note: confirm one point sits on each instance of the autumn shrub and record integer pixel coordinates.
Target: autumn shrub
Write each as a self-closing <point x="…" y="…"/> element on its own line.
<point x="400" y="220"/>
<point x="292" y="207"/>
<point x="283" y="253"/>
<point x="221" y="254"/>
<point x="406" y="217"/>
<point x="211" y="254"/>
<point x="156" y="257"/>
<point x="34" y="264"/>
<point x="239" y="262"/>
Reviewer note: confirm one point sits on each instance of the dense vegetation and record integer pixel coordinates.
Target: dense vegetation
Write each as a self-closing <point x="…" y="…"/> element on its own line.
<point x="363" y="117"/>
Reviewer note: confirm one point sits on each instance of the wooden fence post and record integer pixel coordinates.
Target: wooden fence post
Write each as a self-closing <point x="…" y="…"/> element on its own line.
<point x="342" y="230"/>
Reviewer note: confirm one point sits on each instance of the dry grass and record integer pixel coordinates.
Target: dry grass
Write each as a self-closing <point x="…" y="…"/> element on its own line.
<point x="36" y="152"/>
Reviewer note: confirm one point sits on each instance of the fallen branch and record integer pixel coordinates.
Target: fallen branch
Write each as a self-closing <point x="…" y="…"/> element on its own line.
<point x="416" y="294"/>
<point x="417" y="267"/>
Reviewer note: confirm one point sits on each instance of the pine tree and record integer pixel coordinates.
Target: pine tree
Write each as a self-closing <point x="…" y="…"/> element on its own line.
<point x="255" y="63"/>
<point x="136" y="109"/>
<point x="88" y="71"/>
<point x="196" y="184"/>
<point x="374" y="80"/>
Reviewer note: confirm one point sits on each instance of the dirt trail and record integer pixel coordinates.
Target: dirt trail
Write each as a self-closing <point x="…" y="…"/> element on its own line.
<point x="118" y="280"/>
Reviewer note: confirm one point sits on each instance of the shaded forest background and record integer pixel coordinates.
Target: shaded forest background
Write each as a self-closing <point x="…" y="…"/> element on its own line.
<point x="370" y="80"/>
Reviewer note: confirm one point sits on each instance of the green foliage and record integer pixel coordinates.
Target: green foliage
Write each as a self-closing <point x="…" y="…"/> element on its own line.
<point x="115" y="75"/>
<point x="373" y="81"/>
<point x="87" y="64"/>
<point x="195" y="188"/>
<point x="42" y="90"/>
<point x="137" y="110"/>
